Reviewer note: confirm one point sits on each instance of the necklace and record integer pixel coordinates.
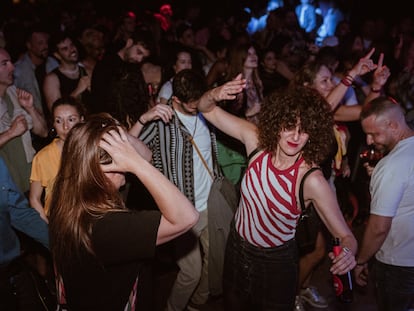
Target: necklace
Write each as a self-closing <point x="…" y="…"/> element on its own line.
<point x="195" y="125"/>
<point x="186" y="121"/>
<point x="70" y="72"/>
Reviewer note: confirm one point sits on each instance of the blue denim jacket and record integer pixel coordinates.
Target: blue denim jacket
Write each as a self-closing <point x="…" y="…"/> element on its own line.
<point x="16" y="213"/>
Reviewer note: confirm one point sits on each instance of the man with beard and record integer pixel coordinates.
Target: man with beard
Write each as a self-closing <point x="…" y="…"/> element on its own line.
<point x="118" y="85"/>
<point x="389" y="234"/>
<point x="69" y="79"/>
<point x="31" y="69"/>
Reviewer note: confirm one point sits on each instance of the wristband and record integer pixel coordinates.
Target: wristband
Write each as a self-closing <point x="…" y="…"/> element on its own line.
<point x="346" y="81"/>
<point x="142" y="123"/>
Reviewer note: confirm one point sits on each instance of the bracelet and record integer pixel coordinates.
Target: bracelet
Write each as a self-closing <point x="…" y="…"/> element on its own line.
<point x="347" y="80"/>
<point x="142" y="123"/>
<point x="361" y="264"/>
<point x="375" y="90"/>
<point x="349" y="77"/>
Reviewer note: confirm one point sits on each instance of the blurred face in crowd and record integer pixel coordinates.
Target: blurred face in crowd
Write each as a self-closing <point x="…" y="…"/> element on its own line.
<point x="251" y="61"/>
<point x="6" y="69"/>
<point x="67" y="51"/>
<point x="188" y="108"/>
<point x="183" y="62"/>
<point x="269" y="61"/>
<point x="65" y="117"/>
<point x="136" y="53"/>
<point x="187" y="38"/>
<point x="129" y="22"/>
<point x="323" y="81"/>
<point x="38" y="45"/>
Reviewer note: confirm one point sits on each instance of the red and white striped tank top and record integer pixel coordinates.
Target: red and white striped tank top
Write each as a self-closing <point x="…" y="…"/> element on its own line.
<point x="268" y="211"/>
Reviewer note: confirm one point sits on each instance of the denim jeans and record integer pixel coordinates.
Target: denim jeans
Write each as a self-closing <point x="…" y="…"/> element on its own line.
<point x="394" y="287"/>
<point x="259" y="278"/>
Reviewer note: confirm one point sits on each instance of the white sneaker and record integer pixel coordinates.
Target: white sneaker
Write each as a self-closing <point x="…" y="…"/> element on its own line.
<point x="312" y="297"/>
<point x="299" y="304"/>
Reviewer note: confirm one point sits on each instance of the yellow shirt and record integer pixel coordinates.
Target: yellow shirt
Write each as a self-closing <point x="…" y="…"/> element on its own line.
<point x="45" y="166"/>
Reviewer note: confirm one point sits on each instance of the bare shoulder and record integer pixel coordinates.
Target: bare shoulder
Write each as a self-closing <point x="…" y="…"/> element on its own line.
<point x="314" y="181"/>
<point x="51" y="77"/>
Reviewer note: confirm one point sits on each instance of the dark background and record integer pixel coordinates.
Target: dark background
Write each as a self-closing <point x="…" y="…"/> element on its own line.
<point x="357" y="9"/>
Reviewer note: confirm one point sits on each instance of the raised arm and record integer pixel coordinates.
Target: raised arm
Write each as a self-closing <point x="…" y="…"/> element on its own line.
<point x="364" y="65"/>
<point x="380" y="77"/>
<point x="159" y="111"/>
<point x="231" y="125"/>
<point x="347" y="113"/>
<point x="140" y="147"/>
<point x="178" y="214"/>
<point x="39" y="122"/>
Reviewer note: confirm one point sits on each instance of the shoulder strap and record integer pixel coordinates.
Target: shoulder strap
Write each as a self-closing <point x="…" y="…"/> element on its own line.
<point x="301" y="199"/>
<point x="253" y="153"/>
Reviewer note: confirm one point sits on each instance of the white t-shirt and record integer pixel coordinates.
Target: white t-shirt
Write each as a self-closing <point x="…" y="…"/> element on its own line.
<point x="197" y="126"/>
<point x="166" y="91"/>
<point x="392" y="192"/>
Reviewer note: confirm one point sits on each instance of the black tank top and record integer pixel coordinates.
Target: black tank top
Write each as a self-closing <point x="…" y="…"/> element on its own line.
<point x="67" y="85"/>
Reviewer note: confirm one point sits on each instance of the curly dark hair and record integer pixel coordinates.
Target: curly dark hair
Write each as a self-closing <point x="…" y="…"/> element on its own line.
<point x="283" y="109"/>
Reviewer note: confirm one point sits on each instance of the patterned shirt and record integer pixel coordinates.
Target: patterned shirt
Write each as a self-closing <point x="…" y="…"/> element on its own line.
<point x="268" y="211"/>
<point x="172" y="152"/>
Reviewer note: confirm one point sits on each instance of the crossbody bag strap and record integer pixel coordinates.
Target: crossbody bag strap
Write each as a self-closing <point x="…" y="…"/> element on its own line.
<point x="201" y="157"/>
<point x="301" y="199"/>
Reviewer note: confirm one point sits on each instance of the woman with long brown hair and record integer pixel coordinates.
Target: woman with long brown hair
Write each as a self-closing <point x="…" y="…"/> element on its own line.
<point x="97" y="244"/>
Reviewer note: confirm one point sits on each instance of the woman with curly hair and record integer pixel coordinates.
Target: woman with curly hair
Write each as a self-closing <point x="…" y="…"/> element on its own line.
<point x="293" y="135"/>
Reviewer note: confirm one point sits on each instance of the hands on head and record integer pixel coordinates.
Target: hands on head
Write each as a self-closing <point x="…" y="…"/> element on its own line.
<point x="124" y="155"/>
<point x="157" y="112"/>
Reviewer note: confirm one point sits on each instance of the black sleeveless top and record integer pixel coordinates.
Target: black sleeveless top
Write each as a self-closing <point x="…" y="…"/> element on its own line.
<point x="67" y="85"/>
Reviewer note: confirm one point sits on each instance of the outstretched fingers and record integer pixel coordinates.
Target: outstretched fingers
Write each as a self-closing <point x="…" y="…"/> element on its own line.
<point x="369" y="54"/>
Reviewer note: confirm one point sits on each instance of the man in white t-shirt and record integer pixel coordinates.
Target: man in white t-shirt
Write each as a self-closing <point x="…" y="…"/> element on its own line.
<point x="389" y="234"/>
<point x="174" y="153"/>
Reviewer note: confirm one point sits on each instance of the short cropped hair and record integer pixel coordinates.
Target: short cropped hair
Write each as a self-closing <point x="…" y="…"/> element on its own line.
<point x="379" y="106"/>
